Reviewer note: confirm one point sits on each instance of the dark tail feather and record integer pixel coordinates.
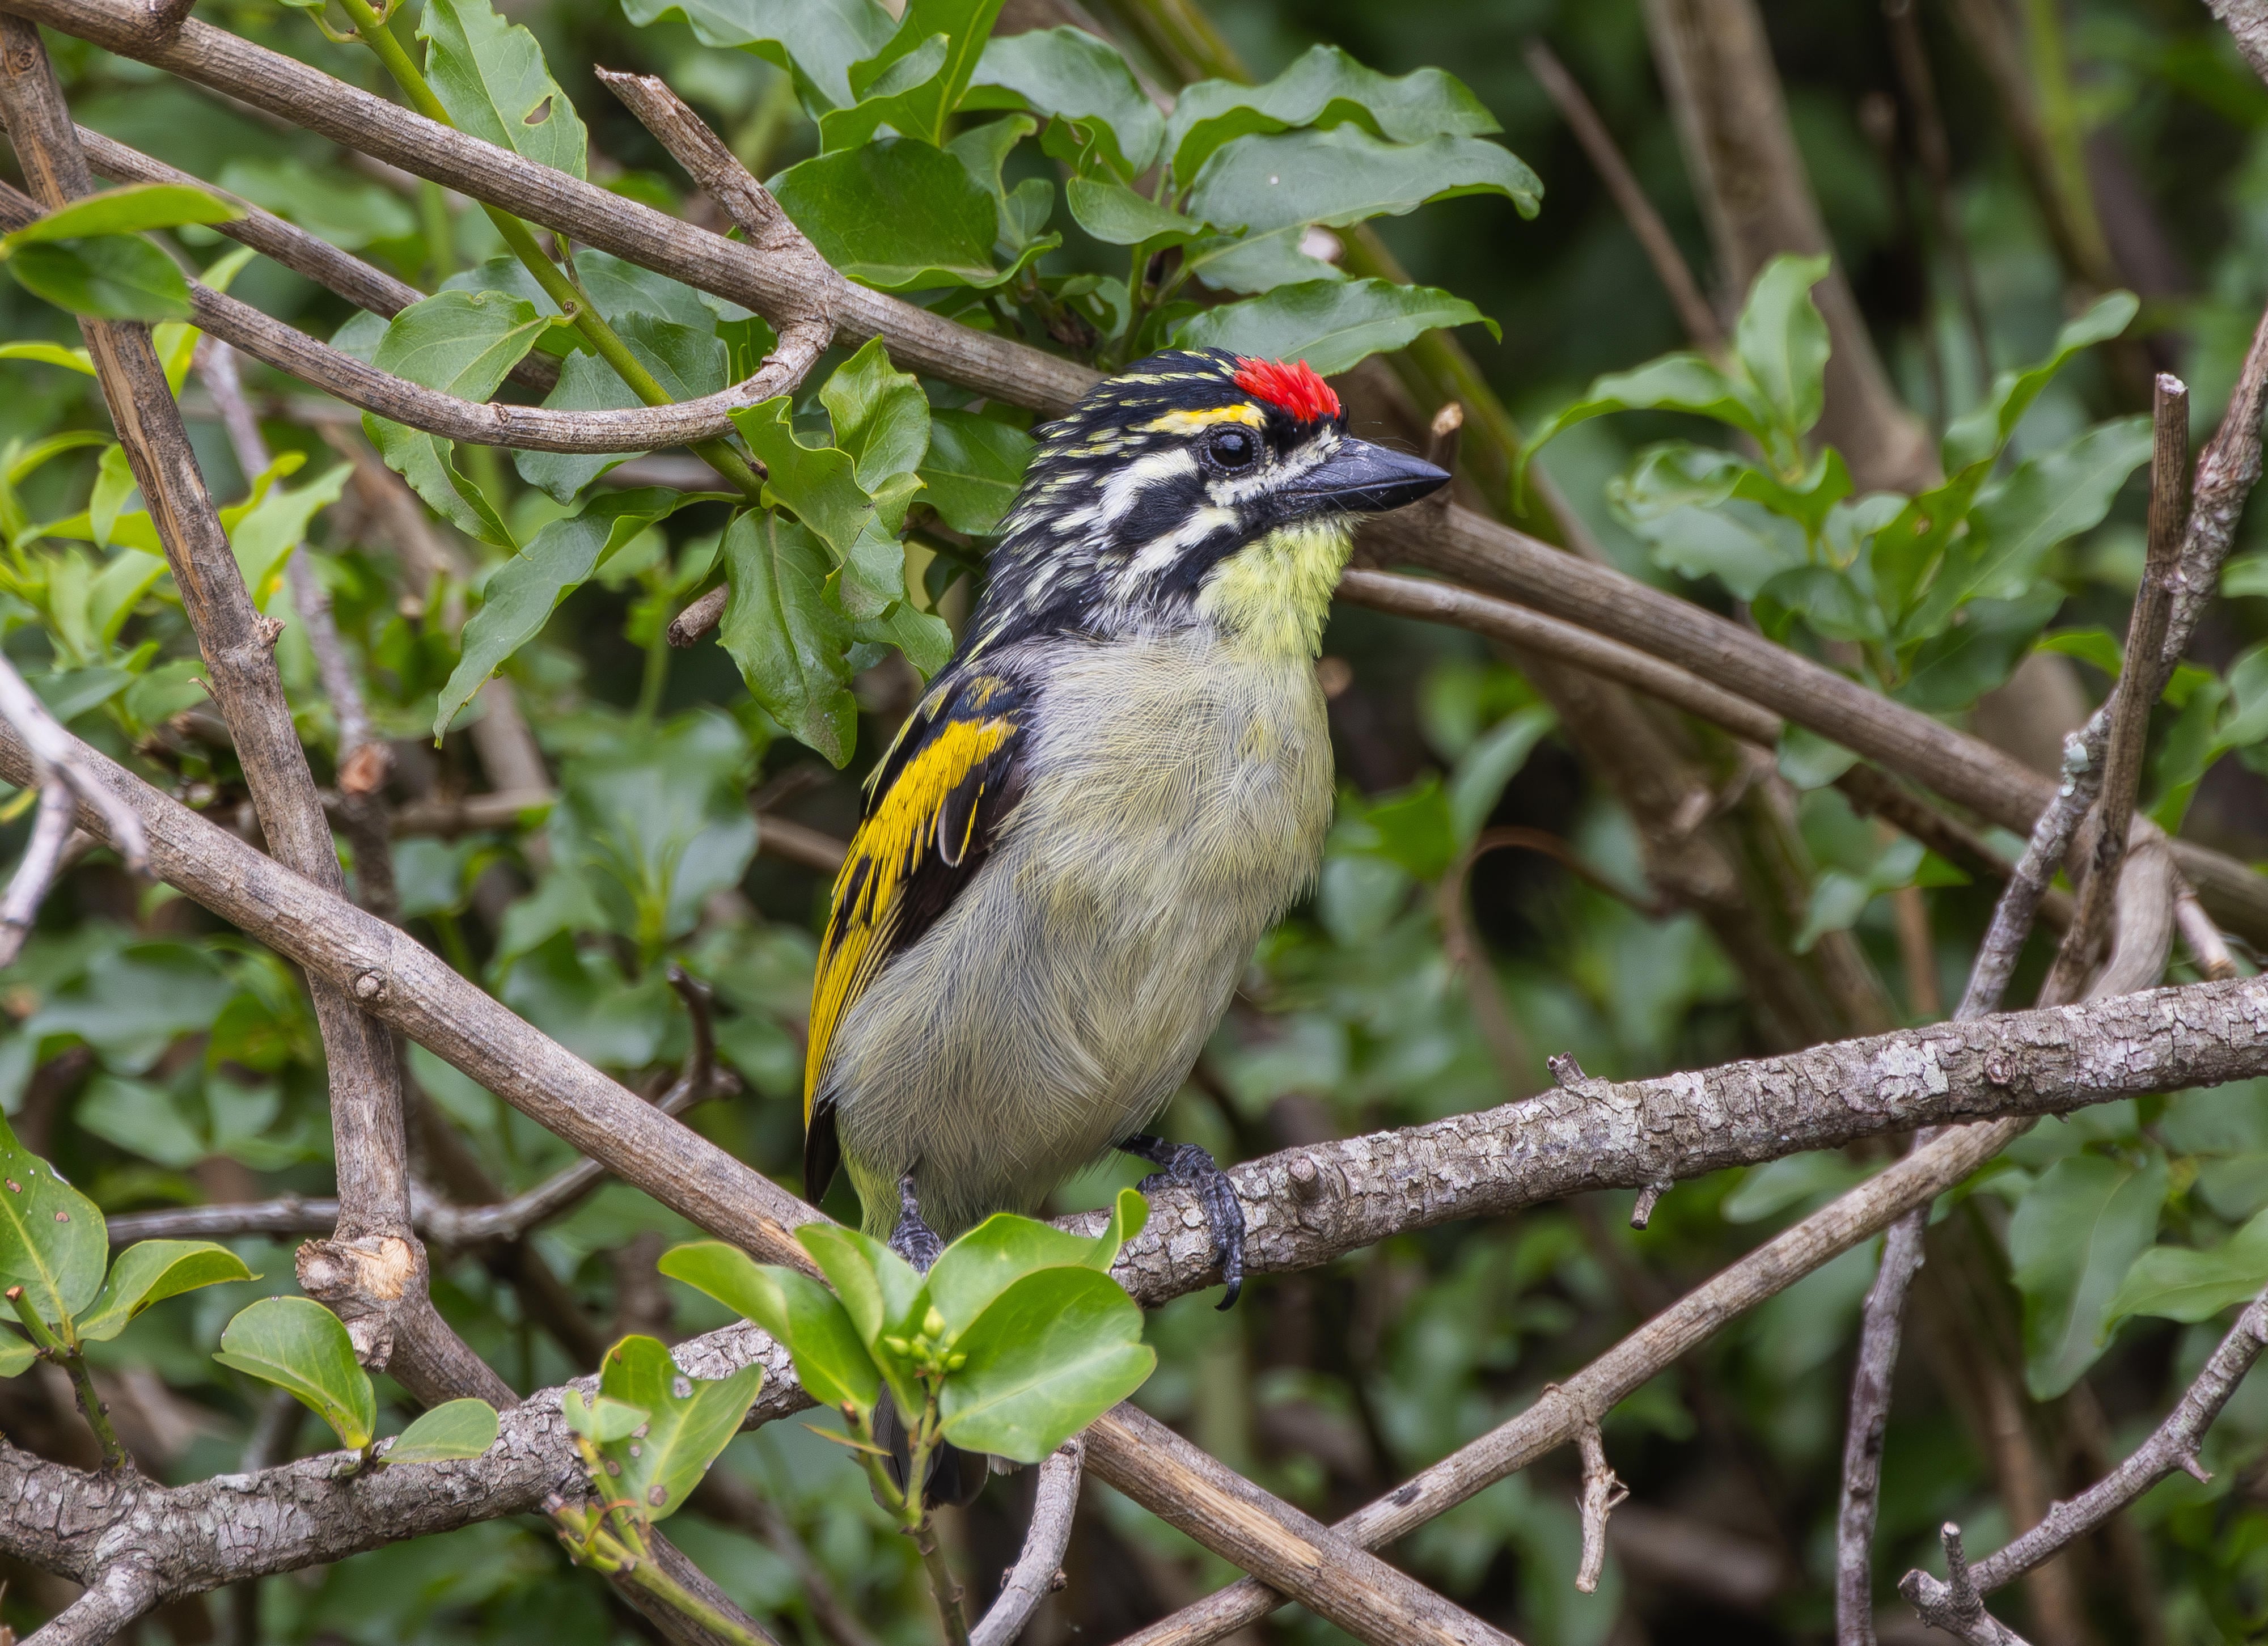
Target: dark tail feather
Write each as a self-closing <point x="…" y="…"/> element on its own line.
<point x="955" y="1476"/>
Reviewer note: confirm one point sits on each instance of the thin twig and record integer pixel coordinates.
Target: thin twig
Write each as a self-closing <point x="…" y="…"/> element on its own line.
<point x="55" y="759"/>
<point x="1602" y="1494"/>
<point x="2208" y="949"/>
<point x="1653" y="237"/>
<point x="1038" y="1571"/>
<point x="42" y="860"/>
<point x="1956" y="1606"/>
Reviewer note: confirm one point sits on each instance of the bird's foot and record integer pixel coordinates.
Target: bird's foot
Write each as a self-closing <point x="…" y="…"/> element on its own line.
<point x="1185" y="1166"/>
<point x="913" y="1239"/>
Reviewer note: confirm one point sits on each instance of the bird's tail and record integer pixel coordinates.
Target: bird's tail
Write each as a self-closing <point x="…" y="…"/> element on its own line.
<point x="955" y="1476"/>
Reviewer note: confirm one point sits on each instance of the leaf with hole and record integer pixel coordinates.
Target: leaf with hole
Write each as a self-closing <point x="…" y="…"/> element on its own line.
<point x="491" y="77"/>
<point x="689" y="1421"/>
<point x="53" y="1240"/>
<point x="453" y="1430"/>
<point x="301" y="1347"/>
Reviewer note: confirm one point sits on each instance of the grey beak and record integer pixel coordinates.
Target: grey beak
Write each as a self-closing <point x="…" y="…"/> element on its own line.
<point x="1370" y="478"/>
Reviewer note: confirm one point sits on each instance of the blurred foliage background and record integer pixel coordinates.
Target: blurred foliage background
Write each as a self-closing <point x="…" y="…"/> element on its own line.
<point x="161" y="1062"/>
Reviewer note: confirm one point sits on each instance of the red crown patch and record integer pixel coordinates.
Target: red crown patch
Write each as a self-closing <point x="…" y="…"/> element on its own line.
<point x="1289" y="385"/>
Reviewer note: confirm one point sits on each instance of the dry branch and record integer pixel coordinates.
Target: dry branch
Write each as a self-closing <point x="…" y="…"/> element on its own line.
<point x="35" y="872"/>
<point x="1038" y="1571"/>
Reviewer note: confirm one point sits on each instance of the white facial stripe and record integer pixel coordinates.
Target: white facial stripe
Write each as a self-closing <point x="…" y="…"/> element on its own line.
<point x="1159" y="555"/>
<point x="1122" y="489"/>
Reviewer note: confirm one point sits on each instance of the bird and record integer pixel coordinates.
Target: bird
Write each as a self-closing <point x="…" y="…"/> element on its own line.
<point x="1118" y="783"/>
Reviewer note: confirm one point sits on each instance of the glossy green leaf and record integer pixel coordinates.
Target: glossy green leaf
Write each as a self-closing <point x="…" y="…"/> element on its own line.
<point x="997" y="1253"/>
<point x="461" y="342"/>
<point x="973" y="469"/>
<point x="524" y="593"/>
<point x="109" y="277"/>
<point x="1677" y="382"/>
<point x="1022" y="213"/>
<point x="452" y="1430"/>
<point x="151" y="1271"/>
<point x="788" y="634"/>
<point x="16" y="1354"/>
<point x="130" y="210"/>
<point x="1068" y="72"/>
<point x="817" y="41"/>
<point x="820" y="485"/>
<point x="2180" y="1283"/>
<point x="1781" y="340"/>
<point x="299" y="1346"/>
<point x="1330" y="324"/>
<point x="689" y="1420"/>
<point x="830" y="1359"/>
<point x="1052" y="1353"/>
<point x="1118" y="215"/>
<point x="880" y="417"/>
<point x="51" y="354"/>
<point x="491" y="77"/>
<point x="1277" y="186"/>
<point x="1325" y="87"/>
<point x="53" y="1240"/>
<point x="895" y="215"/>
<point x="2074" y="1235"/>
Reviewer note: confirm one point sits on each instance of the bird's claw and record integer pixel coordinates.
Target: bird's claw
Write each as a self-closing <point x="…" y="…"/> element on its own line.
<point x="1186" y="1165"/>
<point x="913" y="1239"/>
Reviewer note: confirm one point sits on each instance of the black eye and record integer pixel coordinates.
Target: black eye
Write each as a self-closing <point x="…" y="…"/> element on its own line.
<point x="1232" y="448"/>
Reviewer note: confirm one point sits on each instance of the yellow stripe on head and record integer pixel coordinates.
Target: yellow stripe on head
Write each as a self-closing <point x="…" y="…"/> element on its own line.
<point x="1190" y="421"/>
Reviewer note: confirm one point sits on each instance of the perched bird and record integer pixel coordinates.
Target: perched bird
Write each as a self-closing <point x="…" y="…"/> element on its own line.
<point x="1120" y="781"/>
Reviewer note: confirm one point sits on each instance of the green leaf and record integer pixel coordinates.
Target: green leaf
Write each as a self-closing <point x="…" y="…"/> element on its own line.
<point x="830" y="1357"/>
<point x="1020" y="214"/>
<point x="1330" y="324"/>
<point x="151" y="1271"/>
<point x="452" y="1430"/>
<point x="1118" y="215"/>
<point x="463" y="343"/>
<point x="1681" y="500"/>
<point x="131" y="209"/>
<point x="109" y="276"/>
<point x="924" y="638"/>
<point x="2074" y="1235"/>
<point x="997" y="1253"/>
<point x="895" y="215"/>
<point x="820" y="485"/>
<point x="1068" y="72"/>
<point x="265" y="538"/>
<point x="2246" y="575"/>
<point x="1277" y="186"/>
<point x="1677" y="382"/>
<point x="914" y="83"/>
<point x="50" y="354"/>
<point x="2178" y="1283"/>
<point x="788" y="634"/>
<point x="524" y="593"/>
<point x="491" y="77"/>
<point x="973" y="469"/>
<point x="1483" y="770"/>
<point x="16" y="1355"/>
<point x="1782" y="340"/>
<point x="816" y="40"/>
<point x="52" y="1238"/>
<point x="299" y="1346"/>
<point x="114" y="485"/>
<point x="1052" y="1353"/>
<point x="1326" y="87"/>
<point x="881" y="416"/>
<point x="1977" y="435"/>
<point x="689" y="1420"/>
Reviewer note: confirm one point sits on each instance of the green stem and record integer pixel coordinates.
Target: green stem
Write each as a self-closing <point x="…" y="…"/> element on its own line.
<point x="942" y="1583"/>
<point x="656" y="676"/>
<point x="440" y="235"/>
<point x="74" y="1363"/>
<point x="648" y="1575"/>
<point x="571" y="301"/>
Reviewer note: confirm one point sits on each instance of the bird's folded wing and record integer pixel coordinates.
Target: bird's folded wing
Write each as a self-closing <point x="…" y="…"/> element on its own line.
<point x="937" y="804"/>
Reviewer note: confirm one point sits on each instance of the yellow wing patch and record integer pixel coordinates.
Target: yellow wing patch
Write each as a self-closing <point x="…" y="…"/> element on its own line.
<point x="884" y="852"/>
